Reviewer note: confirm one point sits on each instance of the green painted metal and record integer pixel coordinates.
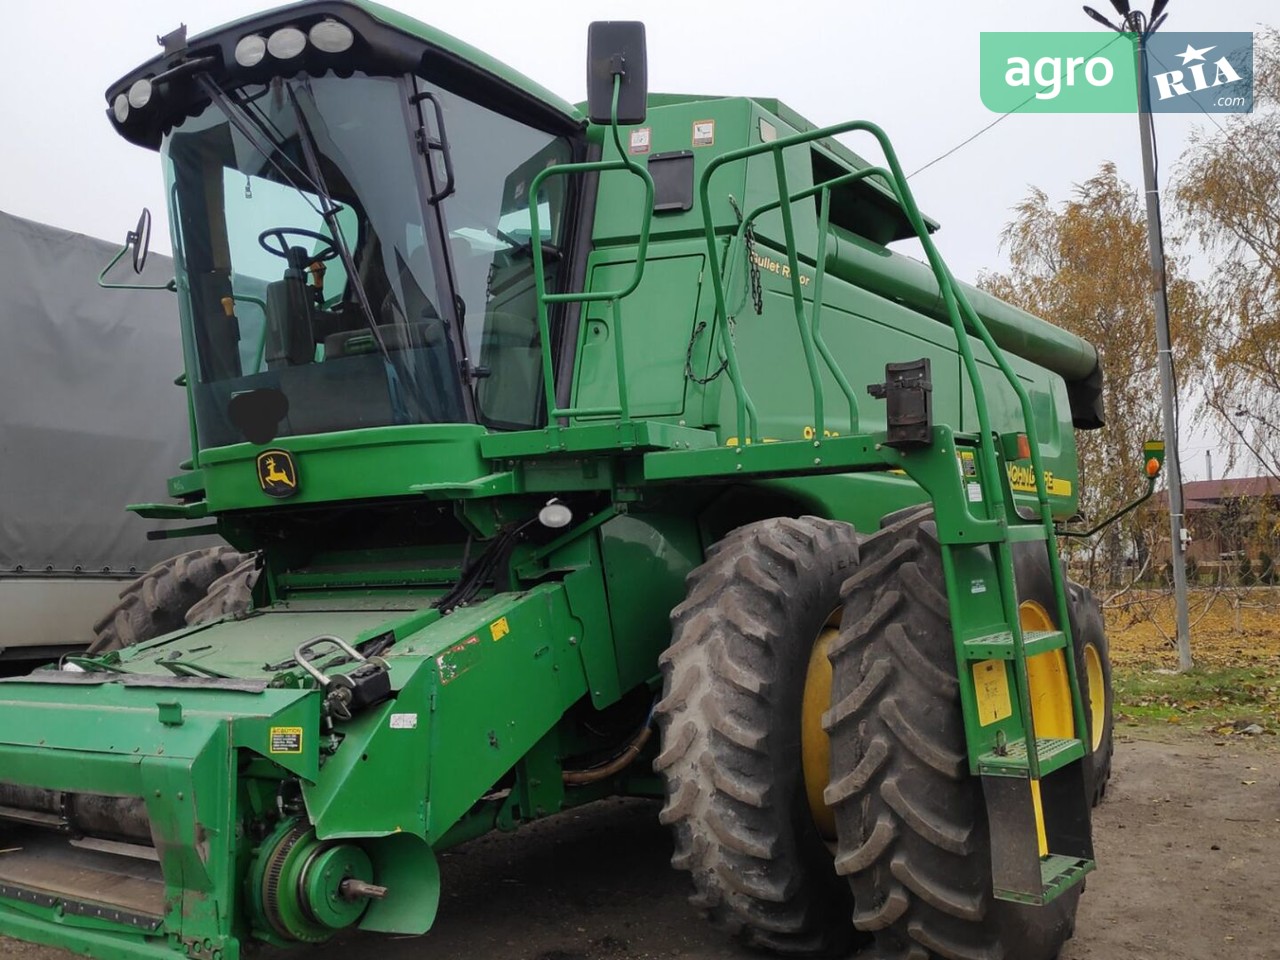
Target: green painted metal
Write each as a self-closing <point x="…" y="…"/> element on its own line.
<point x="612" y="297"/>
<point x="107" y="285"/>
<point x="514" y="653"/>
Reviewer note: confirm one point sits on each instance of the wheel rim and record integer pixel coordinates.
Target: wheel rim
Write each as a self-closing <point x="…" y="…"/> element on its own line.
<point x="815" y="746"/>
<point x="1047" y="679"/>
<point x="1097" y="694"/>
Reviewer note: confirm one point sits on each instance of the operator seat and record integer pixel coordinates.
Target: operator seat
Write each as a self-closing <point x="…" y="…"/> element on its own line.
<point x="290" y="339"/>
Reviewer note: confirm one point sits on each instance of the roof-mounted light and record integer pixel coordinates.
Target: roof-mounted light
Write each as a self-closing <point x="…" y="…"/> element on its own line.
<point x="140" y="93"/>
<point x="120" y="107"/>
<point x="250" y="50"/>
<point x="331" y="36"/>
<point x="286" y="43"/>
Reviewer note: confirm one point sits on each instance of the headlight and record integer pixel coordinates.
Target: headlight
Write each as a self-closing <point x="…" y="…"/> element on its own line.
<point x="120" y="107"/>
<point x="140" y="93"/>
<point x="286" y="43"/>
<point x="250" y="50"/>
<point x="331" y="36"/>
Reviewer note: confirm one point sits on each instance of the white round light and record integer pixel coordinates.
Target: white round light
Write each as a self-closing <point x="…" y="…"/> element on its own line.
<point x="250" y="50"/>
<point x="140" y="93"/>
<point x="120" y="107"/>
<point x="555" y="515"/>
<point x="286" y="43"/>
<point x="331" y="36"/>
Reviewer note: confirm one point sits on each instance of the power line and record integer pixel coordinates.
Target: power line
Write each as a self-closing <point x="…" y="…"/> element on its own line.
<point x="999" y="119"/>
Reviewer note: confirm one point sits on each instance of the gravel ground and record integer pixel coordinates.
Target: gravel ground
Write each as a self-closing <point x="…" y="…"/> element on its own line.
<point x="1187" y="841"/>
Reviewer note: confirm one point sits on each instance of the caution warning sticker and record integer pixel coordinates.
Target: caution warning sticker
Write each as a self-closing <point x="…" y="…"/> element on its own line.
<point x="286" y="740"/>
<point x="991" y="686"/>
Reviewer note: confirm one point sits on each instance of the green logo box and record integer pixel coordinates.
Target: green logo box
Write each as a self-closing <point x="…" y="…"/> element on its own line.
<point x="1084" y="72"/>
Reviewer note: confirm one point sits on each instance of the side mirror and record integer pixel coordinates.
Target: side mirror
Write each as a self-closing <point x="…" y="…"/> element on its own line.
<point x="139" y="238"/>
<point x="616" y="48"/>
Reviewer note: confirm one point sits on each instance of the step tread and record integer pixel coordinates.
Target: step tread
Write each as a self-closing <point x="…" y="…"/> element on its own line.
<point x="1058" y="874"/>
<point x="1054" y="753"/>
<point x="999" y="646"/>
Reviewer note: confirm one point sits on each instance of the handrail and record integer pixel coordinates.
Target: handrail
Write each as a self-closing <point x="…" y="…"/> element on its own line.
<point x="613" y="297"/>
<point x="820" y="269"/>
<point x="964" y="320"/>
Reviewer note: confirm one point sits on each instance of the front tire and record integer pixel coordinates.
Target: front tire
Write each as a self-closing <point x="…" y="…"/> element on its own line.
<point x="734" y="679"/>
<point x="914" y="840"/>
<point x="157" y="602"/>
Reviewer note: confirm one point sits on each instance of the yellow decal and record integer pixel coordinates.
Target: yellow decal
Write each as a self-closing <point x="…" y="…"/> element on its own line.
<point x="499" y="628"/>
<point x="286" y="740"/>
<point x="277" y="473"/>
<point x="991" y="685"/>
<point x="773" y="266"/>
<point x="1023" y="479"/>
<point x="810" y="433"/>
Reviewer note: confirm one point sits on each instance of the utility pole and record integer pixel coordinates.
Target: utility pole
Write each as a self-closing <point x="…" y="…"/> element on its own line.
<point x="1135" y="21"/>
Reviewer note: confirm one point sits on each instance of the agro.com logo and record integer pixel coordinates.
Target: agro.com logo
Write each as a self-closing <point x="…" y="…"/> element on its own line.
<point x="1094" y="73"/>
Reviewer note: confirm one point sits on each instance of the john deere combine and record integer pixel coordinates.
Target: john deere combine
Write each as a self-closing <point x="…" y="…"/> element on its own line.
<point x="551" y="427"/>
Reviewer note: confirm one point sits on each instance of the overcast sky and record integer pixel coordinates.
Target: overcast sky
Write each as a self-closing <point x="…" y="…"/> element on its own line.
<point x="911" y="67"/>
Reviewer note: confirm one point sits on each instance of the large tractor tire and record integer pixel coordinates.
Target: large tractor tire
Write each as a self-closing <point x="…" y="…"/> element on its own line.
<point x="914" y="840"/>
<point x="1093" y="667"/>
<point x="157" y="602"/>
<point x="231" y="595"/>
<point x="734" y="686"/>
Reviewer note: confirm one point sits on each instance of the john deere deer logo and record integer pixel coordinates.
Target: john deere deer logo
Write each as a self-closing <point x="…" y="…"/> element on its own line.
<point x="277" y="473"/>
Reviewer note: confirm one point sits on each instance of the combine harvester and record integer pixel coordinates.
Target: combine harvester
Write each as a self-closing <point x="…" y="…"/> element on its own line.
<point x="551" y="427"/>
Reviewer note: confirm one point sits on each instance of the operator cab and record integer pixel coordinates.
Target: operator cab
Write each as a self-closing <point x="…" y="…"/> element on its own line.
<point x="351" y="227"/>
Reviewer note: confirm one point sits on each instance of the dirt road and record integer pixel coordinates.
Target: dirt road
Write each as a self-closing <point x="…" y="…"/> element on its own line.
<point x="1188" y="843"/>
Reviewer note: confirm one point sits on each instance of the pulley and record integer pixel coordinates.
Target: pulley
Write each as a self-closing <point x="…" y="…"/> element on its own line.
<point x="304" y="889"/>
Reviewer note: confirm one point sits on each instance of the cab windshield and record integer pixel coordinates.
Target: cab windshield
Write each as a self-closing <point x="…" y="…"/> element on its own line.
<point x="335" y="276"/>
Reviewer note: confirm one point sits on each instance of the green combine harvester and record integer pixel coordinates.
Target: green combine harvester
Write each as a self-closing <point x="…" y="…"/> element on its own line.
<point x="581" y="452"/>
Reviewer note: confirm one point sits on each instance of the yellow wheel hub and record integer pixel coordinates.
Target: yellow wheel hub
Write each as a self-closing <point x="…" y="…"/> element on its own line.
<point x="1050" y="687"/>
<point x="1047" y="679"/>
<point x="815" y="746"/>
<point x="1097" y="694"/>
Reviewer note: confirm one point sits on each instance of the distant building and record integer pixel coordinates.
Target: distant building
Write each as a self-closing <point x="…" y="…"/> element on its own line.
<point x="1229" y="519"/>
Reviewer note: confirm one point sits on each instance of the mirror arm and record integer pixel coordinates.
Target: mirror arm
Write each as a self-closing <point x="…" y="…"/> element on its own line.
<point x="171" y="286"/>
<point x="1151" y="488"/>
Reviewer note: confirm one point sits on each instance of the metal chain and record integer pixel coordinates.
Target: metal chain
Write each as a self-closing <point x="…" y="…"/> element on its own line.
<point x="757" y="303"/>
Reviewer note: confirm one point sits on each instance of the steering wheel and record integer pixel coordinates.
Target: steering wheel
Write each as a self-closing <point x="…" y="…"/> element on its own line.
<point x="281" y="249"/>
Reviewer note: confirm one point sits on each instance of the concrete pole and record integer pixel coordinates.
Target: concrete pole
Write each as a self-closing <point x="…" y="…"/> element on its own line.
<point x="1155" y="239"/>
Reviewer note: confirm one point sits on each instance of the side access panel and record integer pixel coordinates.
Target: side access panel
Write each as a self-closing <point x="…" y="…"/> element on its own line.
<point x="657" y="322"/>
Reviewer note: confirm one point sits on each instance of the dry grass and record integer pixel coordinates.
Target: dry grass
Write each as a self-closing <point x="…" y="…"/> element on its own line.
<point x="1235" y="641"/>
<point x="1221" y="635"/>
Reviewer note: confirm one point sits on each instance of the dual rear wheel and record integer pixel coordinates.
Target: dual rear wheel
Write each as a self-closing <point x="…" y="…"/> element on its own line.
<point x="789" y="829"/>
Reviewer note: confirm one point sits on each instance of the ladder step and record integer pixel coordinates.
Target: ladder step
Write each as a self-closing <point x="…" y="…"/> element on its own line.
<point x="1058" y="874"/>
<point x="999" y="646"/>
<point x="1025" y="532"/>
<point x="1054" y="754"/>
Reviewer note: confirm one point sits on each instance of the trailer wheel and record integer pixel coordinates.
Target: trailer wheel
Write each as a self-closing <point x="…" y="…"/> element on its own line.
<point x="734" y="685"/>
<point x="914" y="840"/>
<point x="157" y="602"/>
<point x="231" y="595"/>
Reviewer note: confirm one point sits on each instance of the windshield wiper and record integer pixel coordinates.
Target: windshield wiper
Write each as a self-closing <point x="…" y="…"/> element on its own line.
<point x="311" y="179"/>
<point x="524" y="248"/>
<point x="330" y="212"/>
<point x="244" y="122"/>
